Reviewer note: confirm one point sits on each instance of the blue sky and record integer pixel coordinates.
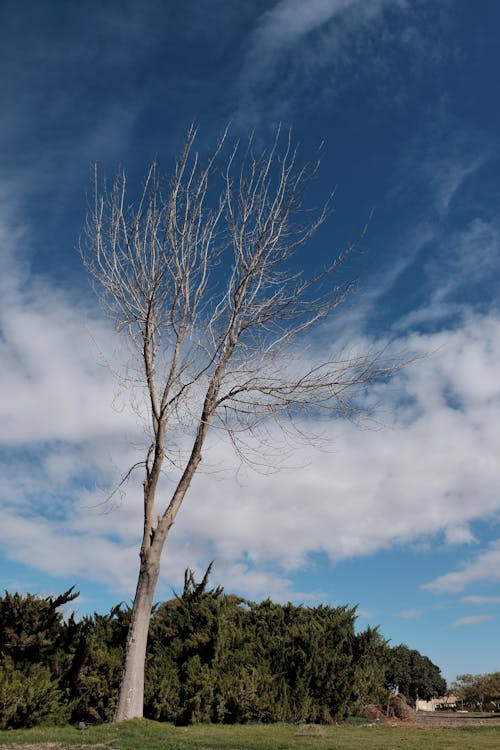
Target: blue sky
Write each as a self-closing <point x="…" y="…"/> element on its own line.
<point x="400" y="515"/>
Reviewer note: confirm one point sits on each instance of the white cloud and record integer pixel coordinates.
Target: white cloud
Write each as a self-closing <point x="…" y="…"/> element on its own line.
<point x="50" y="547"/>
<point x="456" y="535"/>
<point x="480" y="600"/>
<point x="485" y="567"/>
<point x="432" y="471"/>
<point x="54" y="383"/>
<point x="472" y="620"/>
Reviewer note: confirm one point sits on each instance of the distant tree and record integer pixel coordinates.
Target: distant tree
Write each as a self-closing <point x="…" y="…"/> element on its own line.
<point x="480" y="691"/>
<point x="205" y="281"/>
<point x="413" y="674"/>
<point x="491" y="689"/>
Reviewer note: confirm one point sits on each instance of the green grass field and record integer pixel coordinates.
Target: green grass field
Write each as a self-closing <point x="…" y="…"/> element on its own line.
<point x="149" y="735"/>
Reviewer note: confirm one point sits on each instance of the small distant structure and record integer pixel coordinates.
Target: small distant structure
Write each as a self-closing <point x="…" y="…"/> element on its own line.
<point x="443" y="703"/>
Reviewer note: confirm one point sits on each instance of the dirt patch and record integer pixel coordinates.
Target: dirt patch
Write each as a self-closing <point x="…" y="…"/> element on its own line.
<point x="440" y="720"/>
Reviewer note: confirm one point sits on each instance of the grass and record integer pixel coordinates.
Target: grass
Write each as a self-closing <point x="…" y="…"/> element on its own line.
<point x="149" y="735"/>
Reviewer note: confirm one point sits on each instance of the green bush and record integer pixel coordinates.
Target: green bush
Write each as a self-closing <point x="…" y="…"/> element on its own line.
<point x="30" y="696"/>
<point x="96" y="669"/>
<point x="211" y="657"/>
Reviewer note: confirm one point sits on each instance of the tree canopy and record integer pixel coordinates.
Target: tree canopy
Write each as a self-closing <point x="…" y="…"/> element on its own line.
<point x="204" y="275"/>
<point x="413" y="674"/>
<point x="479" y="691"/>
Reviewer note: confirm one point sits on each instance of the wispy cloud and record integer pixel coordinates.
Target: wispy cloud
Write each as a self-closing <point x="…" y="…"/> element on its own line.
<point x="472" y="620"/>
<point x="446" y="178"/>
<point x="410" y="614"/>
<point x="299" y="47"/>
<point x="485" y="567"/>
<point x="460" y="272"/>
<point x="466" y="266"/>
<point x="366" y="614"/>
<point x="479" y="601"/>
<point x="440" y="160"/>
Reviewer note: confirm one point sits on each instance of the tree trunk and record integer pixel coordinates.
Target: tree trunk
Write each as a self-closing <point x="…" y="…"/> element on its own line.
<point x="131" y="696"/>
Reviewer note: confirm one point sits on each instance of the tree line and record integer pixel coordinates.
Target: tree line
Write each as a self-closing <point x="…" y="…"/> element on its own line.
<point x="211" y="657"/>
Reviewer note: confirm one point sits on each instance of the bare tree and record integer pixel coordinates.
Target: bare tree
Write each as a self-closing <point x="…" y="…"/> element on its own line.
<point x="210" y="295"/>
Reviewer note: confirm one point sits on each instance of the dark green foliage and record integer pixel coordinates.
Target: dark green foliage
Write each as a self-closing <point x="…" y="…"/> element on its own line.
<point x="371" y="651"/>
<point x="212" y="657"/>
<point x="32" y="629"/>
<point x="31" y="696"/>
<point x="413" y="674"/>
<point x="97" y="664"/>
<point x="36" y="651"/>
